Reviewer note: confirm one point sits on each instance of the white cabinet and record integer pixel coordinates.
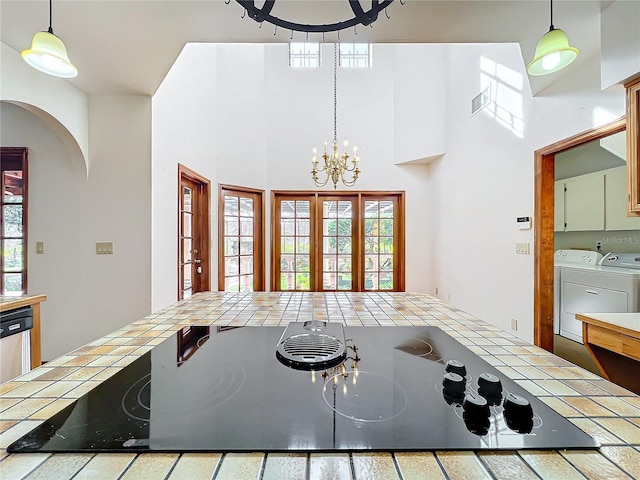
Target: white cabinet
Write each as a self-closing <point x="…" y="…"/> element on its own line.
<point x="593" y="202"/>
<point x="584" y="202"/>
<point x="616" y="201"/>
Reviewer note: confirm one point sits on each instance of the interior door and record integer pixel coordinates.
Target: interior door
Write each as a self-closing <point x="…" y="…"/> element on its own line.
<point x="193" y="233"/>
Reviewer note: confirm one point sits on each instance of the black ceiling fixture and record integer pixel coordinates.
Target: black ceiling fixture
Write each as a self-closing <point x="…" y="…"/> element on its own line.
<point x="360" y="16"/>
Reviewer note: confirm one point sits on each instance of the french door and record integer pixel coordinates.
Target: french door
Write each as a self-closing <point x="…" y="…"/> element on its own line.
<point x="193" y="233"/>
<point x="240" y="239"/>
<point x="338" y="241"/>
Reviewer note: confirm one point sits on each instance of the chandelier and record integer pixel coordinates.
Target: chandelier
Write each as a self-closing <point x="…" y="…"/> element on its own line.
<point x="335" y="165"/>
<point x="360" y="16"/>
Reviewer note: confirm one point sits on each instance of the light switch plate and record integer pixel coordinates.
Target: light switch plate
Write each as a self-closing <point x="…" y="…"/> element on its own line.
<point x="104" y="248"/>
<point x="39" y="247"/>
<point x="522" y="248"/>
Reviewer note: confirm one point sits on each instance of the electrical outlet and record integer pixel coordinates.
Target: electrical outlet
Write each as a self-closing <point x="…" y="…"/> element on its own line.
<point x="436" y="290"/>
<point x="514" y="324"/>
<point x="104" y="248"/>
<point x="522" y="248"/>
<point x="39" y="247"/>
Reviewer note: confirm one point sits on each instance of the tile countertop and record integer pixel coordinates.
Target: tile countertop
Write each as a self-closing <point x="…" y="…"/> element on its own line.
<point x="628" y="321"/>
<point x="604" y="410"/>
<point x="9" y="302"/>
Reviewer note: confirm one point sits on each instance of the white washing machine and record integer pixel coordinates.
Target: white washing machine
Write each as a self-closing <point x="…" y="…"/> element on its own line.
<point x="613" y="286"/>
<point x="569" y="258"/>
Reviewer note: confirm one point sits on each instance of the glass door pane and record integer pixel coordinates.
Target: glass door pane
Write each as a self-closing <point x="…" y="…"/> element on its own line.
<point x="378" y="245"/>
<point x="295" y="245"/>
<point x="239" y="225"/>
<point x="13" y="270"/>
<point x="186" y="241"/>
<point x="337" y="238"/>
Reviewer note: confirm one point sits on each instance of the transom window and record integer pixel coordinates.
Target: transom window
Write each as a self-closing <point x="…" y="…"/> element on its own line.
<point x="338" y="241"/>
<point x="355" y="55"/>
<point x="304" y="55"/>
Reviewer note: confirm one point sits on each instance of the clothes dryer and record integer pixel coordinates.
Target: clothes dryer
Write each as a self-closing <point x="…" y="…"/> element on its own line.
<point x="613" y="286"/>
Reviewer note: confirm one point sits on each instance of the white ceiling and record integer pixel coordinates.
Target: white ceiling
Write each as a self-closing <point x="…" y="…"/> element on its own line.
<point x="129" y="46"/>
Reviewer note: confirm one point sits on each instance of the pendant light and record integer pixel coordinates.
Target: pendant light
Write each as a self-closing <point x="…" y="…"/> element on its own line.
<point x="49" y="55"/>
<point x="553" y="52"/>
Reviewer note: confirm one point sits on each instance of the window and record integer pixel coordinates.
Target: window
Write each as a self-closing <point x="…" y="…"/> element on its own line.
<point x="241" y="240"/>
<point x="13" y="221"/>
<point x="304" y="55"/>
<point x="338" y="241"/>
<point x="355" y="55"/>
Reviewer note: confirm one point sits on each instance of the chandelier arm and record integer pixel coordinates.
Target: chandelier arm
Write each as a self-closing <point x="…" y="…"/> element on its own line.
<point x="371" y="16"/>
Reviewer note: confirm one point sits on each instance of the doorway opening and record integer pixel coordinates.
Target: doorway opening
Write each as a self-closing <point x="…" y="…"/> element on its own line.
<point x="544" y="221"/>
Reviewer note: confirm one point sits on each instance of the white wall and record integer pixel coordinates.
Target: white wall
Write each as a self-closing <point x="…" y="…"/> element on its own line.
<point x="238" y="114"/>
<point x="88" y="295"/>
<point x="486" y="180"/>
<point x="620" y="42"/>
<point x="62" y="106"/>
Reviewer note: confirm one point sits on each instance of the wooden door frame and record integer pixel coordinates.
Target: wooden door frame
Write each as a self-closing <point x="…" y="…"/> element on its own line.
<point x="543" y="219"/>
<point x="202" y="220"/>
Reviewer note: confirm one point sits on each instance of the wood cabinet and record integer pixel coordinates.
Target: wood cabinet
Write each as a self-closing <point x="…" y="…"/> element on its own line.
<point x="633" y="147"/>
<point x="593" y="202"/>
<point x="615" y="199"/>
<point x="613" y="340"/>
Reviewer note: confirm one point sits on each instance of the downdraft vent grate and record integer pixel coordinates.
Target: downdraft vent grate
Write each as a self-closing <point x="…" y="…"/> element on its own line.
<point x="311" y="351"/>
<point x="314" y="347"/>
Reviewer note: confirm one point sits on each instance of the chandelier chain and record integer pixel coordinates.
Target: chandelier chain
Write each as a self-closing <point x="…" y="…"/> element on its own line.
<point x="335" y="92"/>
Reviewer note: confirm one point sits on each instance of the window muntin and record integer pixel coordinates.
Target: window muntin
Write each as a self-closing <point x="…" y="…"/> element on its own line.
<point x="355" y="55"/>
<point x="304" y="54"/>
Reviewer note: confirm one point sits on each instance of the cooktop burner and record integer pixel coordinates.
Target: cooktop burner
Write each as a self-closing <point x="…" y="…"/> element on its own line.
<point x="231" y="389"/>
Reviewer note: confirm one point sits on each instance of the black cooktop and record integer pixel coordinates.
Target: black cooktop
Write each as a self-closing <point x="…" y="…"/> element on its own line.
<point x="225" y="389"/>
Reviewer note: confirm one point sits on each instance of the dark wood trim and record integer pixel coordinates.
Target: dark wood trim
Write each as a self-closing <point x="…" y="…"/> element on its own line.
<point x="633" y="147"/>
<point x="544" y="165"/>
<point x="200" y="225"/>
<point x="259" y="259"/>
<point x="12" y="157"/>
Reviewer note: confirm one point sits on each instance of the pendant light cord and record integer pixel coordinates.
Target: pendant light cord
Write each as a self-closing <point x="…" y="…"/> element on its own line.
<point x="335" y="93"/>
<point x="50" y="15"/>
<point x="551" y="9"/>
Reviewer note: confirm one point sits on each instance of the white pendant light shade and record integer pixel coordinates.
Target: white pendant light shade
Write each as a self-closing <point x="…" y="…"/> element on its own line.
<point x="49" y="55"/>
<point x="553" y="53"/>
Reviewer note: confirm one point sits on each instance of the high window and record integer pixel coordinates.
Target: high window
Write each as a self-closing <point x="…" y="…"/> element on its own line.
<point x="338" y="241"/>
<point x="13" y="221"/>
<point x="355" y="55"/>
<point x="241" y="239"/>
<point x="304" y="54"/>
